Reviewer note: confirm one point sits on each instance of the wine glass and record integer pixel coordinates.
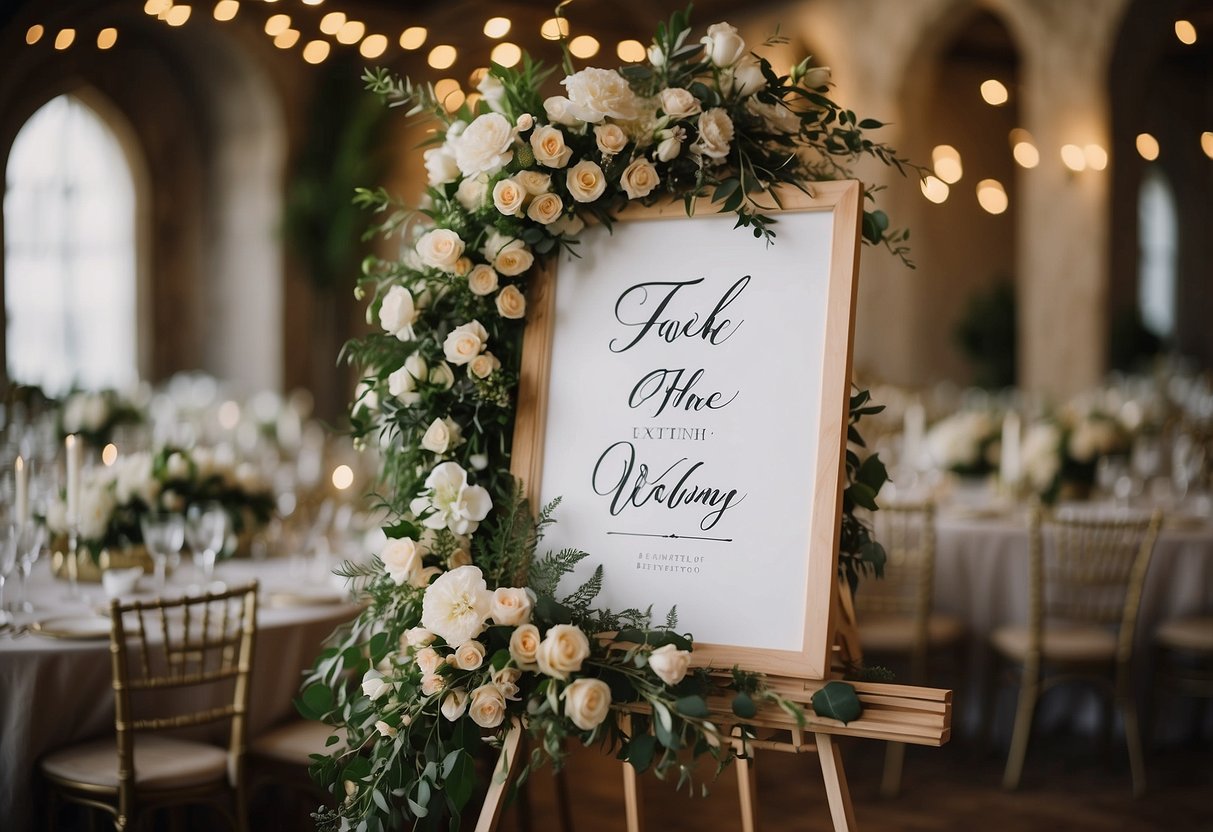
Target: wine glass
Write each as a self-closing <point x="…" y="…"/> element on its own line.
<point x="1187" y="461"/>
<point x="8" y="558"/>
<point x="30" y="540"/>
<point x="206" y="529"/>
<point x="163" y="534"/>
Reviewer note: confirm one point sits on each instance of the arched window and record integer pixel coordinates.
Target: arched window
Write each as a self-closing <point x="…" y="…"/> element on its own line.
<point x="69" y="252"/>
<point x="1159" y="247"/>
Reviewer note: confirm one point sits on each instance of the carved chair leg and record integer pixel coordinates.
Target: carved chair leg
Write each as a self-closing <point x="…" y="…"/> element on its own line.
<point x="1128" y="711"/>
<point x="1029" y="691"/>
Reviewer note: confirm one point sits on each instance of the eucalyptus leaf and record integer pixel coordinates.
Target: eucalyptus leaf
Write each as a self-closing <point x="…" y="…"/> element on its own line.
<point x="837" y="700"/>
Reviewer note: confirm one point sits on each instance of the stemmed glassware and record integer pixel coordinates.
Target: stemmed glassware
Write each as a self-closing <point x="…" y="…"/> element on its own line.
<point x="164" y="535"/>
<point x="8" y="558"/>
<point x="30" y="539"/>
<point x="206" y="530"/>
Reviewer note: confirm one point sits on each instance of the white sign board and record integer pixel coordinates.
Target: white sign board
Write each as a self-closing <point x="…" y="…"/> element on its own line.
<point x="695" y="418"/>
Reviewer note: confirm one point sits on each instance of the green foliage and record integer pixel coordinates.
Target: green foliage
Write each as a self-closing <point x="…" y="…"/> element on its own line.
<point x="986" y="334"/>
<point x="837" y="700"/>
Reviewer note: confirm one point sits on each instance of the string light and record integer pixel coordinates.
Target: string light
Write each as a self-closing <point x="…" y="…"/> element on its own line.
<point x="1185" y="31"/>
<point x="1073" y="157"/>
<point x="155" y="8"/>
<point x="506" y="53"/>
<point x="584" y="46"/>
<point x="413" y="37"/>
<point x="351" y="32"/>
<point x="630" y="51"/>
<point x="1023" y="148"/>
<point x="343" y="477"/>
<point x="1147" y="147"/>
<point x="332" y="22"/>
<point x="1206" y="143"/>
<point x="312" y="2"/>
<point x="994" y="92"/>
<point x="226" y="9"/>
<point x="107" y="37"/>
<point x="991" y="196"/>
<point x="442" y="56"/>
<point x="497" y="27"/>
<point x="373" y="46"/>
<point x="554" y="28"/>
<point x="177" y="15"/>
<point x="34" y="33"/>
<point x="934" y="189"/>
<point x="1097" y="157"/>
<point x="477" y="75"/>
<point x="316" y="51"/>
<point x="109" y="454"/>
<point x="946" y="161"/>
<point x="287" y="39"/>
<point x="65" y="38"/>
<point x="276" y="24"/>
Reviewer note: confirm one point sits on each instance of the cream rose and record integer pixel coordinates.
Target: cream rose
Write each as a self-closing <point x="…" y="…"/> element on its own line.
<point x="669" y="148"/>
<point x="524" y="122"/>
<point x="545" y="208"/>
<point x="469" y="656"/>
<point x="401" y="559"/>
<point x="550" y="150"/>
<point x="432" y="683"/>
<point x="610" y="138"/>
<point x="442" y="375"/>
<point x="506" y="679"/>
<point x="488" y="706"/>
<point x="440" y="167"/>
<point x="484" y="365"/>
<point x="510" y="303"/>
<point x="486" y="146"/>
<point x="669" y="663"/>
<point x="508" y="197"/>
<point x="569" y="225"/>
<point x="440" y="248"/>
<point x="418" y="637"/>
<point x="562" y="111"/>
<point x="398" y="313"/>
<point x="465" y="343"/>
<point x="587" y="702"/>
<point x="678" y="103"/>
<point x="715" y="134"/>
<point x="722" y="45"/>
<point x="747" y="77"/>
<point x="482" y="280"/>
<point x="428" y="660"/>
<point x="513" y="259"/>
<point x="586" y="181"/>
<point x="441" y="436"/>
<point x="599" y="93"/>
<point x="472" y="192"/>
<point x="462" y="266"/>
<point x="524" y="646"/>
<point x="536" y="183"/>
<point x="402" y="383"/>
<point x="562" y="651"/>
<point x="639" y="178"/>
<point x="454" y="703"/>
<point x="511" y="606"/>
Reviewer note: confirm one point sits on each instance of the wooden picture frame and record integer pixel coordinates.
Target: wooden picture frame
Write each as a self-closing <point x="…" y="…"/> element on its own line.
<point x="830" y="215"/>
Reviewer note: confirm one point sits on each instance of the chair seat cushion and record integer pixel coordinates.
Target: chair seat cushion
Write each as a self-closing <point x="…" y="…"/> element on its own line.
<point x="160" y="763"/>
<point x="1194" y="634"/>
<point x="895" y="633"/>
<point x="294" y="742"/>
<point x="1072" y="643"/>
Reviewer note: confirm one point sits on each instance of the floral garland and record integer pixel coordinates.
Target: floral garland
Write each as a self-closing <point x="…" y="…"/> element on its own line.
<point x="465" y="629"/>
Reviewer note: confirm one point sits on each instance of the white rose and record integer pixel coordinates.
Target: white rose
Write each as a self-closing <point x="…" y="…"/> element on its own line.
<point x="441" y="436"/>
<point x="401" y="559"/>
<point x="569" y="225"/>
<point x="510" y="303"/>
<point x="587" y="702"/>
<point x="398" y="313"/>
<point x="817" y="77"/>
<point x="656" y="56"/>
<point x="514" y="259"/>
<point x="599" y="93"/>
<point x="508" y="197"/>
<point x="715" y="133"/>
<point x="669" y="663"/>
<point x="374" y="685"/>
<point x="432" y="683"/>
<point x="536" y="183"/>
<point x="545" y="208"/>
<point x="747" y="77"/>
<point x="524" y="646"/>
<point x="506" y="679"/>
<point x="669" y="149"/>
<point x="469" y="656"/>
<point x="722" y="45"/>
<point x="484" y="365"/>
<point x="524" y="122"/>
<point x="454" y="703"/>
<point x="486" y="146"/>
<point x="488" y="706"/>
<point x="442" y="375"/>
<point x="440" y="248"/>
<point x="610" y="138"/>
<point x="639" y="178"/>
<point x="440" y="166"/>
<point x="403" y="382"/>
<point x="464" y="343"/>
<point x="562" y="651"/>
<point x="549" y="146"/>
<point x="428" y="660"/>
<point x="493" y="91"/>
<point x="472" y="192"/>
<point x="678" y="103"/>
<point x="560" y="110"/>
<point x="418" y="637"/>
<point x="482" y="280"/>
<point x="511" y="606"/>
<point x="586" y="181"/>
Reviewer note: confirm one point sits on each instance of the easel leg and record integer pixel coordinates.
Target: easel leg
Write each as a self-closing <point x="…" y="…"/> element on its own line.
<point x="747" y="792"/>
<point x="632" y="797"/>
<point x="504" y="773"/>
<point x="835" y="778"/>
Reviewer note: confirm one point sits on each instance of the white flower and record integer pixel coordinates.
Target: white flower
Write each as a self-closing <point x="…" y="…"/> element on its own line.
<point x="562" y="651"/>
<point x="484" y="365"/>
<point x="486" y="146"/>
<point x="482" y="280"/>
<point x="779" y="116"/>
<point x="511" y="606"/>
<point x="456" y="606"/>
<point x="536" y="183"/>
<point x="472" y="192"/>
<point x="639" y="178"/>
<point x="957" y="440"/>
<point x="513" y="259"/>
<point x="549" y="146"/>
<point x="374" y="685"/>
<point x="599" y="93"/>
<point x="440" y="248"/>
<point x="455" y="505"/>
<point x="440" y="166"/>
<point x="1041" y="454"/>
<point x="493" y="91"/>
<point x="1093" y="436"/>
<point x="401" y="559"/>
<point x="418" y="637"/>
<point x="442" y="375"/>
<point x="722" y="45"/>
<point x="586" y="181"/>
<point x="546" y="208"/>
<point x="428" y="660"/>
<point x="570" y="225"/>
<point x="746" y="77"/>
<point x="469" y="656"/>
<point x="462" y="266"/>
<point x="432" y="683"/>
<point x="560" y="110"/>
<point x="610" y="138"/>
<point x="454" y="703"/>
<point x="524" y="122"/>
<point x="656" y="56"/>
<point x="176" y="467"/>
<point x="587" y="702"/>
<point x="441" y="436"/>
<point x="506" y="679"/>
<point x="508" y="197"/>
<point x="488" y="706"/>
<point x="403" y="382"/>
<point x="464" y="343"/>
<point x="384" y="729"/>
<point x="669" y="663"/>
<point x="669" y="148"/>
<point x="817" y="77"/>
<point x="715" y="134"/>
<point x="95" y="508"/>
<point x="678" y="103"/>
<point x="524" y="646"/>
<point x="398" y="313"/>
<point x="133" y="479"/>
<point x="510" y="303"/>
<point x="480" y="461"/>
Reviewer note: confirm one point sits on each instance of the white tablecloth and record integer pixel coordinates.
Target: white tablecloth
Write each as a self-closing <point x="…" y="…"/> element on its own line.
<point x="55" y="693"/>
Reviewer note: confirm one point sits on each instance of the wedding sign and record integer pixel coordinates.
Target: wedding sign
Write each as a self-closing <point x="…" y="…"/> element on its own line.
<point x="684" y="391"/>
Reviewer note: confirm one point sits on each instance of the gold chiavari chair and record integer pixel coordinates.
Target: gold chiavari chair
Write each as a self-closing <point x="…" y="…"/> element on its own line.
<point x="895" y="614"/>
<point x="169" y="655"/>
<point x="1183" y="650"/>
<point x="1086" y="570"/>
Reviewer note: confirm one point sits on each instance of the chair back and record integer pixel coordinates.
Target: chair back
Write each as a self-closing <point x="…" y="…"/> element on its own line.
<point x="907" y="533"/>
<point x="204" y="643"/>
<point x="1088" y="567"/>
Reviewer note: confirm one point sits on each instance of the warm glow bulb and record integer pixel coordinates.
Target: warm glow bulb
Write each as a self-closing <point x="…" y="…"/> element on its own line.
<point x="287" y="39"/>
<point x="506" y="53"/>
<point x="994" y="92"/>
<point x="276" y="24"/>
<point x="947" y="164"/>
<point x="343" y="477"/>
<point x="1097" y="157"/>
<point x="1026" y="154"/>
<point x="413" y="37"/>
<point x="373" y="46"/>
<point x="584" y="46"/>
<point x="1185" y="31"/>
<point x="445" y="87"/>
<point x="316" y="51"/>
<point x="554" y="28"/>
<point x="991" y="196"/>
<point x="1206" y="143"/>
<point x="177" y="15"/>
<point x="34" y="33"/>
<point x="351" y="32"/>
<point x="226" y="9"/>
<point x="1147" y="146"/>
<point x="109" y="454"/>
<point x="477" y="75"/>
<point x="454" y="101"/>
<point x="630" y="51"/>
<point x="934" y="189"/>
<point x="497" y="27"/>
<point x="107" y="37"/>
<point x="312" y="2"/>
<point x="332" y="22"/>
<point x="442" y="56"/>
<point x="1073" y="157"/>
<point x="65" y="38"/>
<point x="156" y="7"/>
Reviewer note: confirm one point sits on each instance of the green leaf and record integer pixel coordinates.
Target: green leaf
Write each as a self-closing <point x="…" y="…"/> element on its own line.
<point x="862" y="495"/>
<point x="743" y="706"/>
<point x="403" y="529"/>
<point x="380" y="801"/>
<point x="692" y="706"/>
<point x="837" y="700"/>
<point x="461" y="779"/>
<point x="315" y="701"/>
<point x="640" y="752"/>
<point x="872" y="473"/>
<point x="550" y="610"/>
<point x="379" y="647"/>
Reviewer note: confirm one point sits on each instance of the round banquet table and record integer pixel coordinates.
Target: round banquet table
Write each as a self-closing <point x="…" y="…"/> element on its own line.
<point x="56" y="692"/>
<point x="981" y="576"/>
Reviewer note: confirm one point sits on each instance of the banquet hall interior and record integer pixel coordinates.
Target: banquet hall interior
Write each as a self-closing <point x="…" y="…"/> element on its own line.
<point x="179" y="268"/>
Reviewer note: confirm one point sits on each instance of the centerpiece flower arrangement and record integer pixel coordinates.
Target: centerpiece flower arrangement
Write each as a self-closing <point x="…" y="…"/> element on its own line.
<point x="1061" y="453"/>
<point x="95" y="414"/>
<point x="965" y="443"/>
<point x="466" y="628"/>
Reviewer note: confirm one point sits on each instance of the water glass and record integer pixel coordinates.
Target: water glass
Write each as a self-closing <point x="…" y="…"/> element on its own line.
<point x="206" y="529"/>
<point x="164" y="535"/>
<point x="8" y="559"/>
<point x="30" y="541"/>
